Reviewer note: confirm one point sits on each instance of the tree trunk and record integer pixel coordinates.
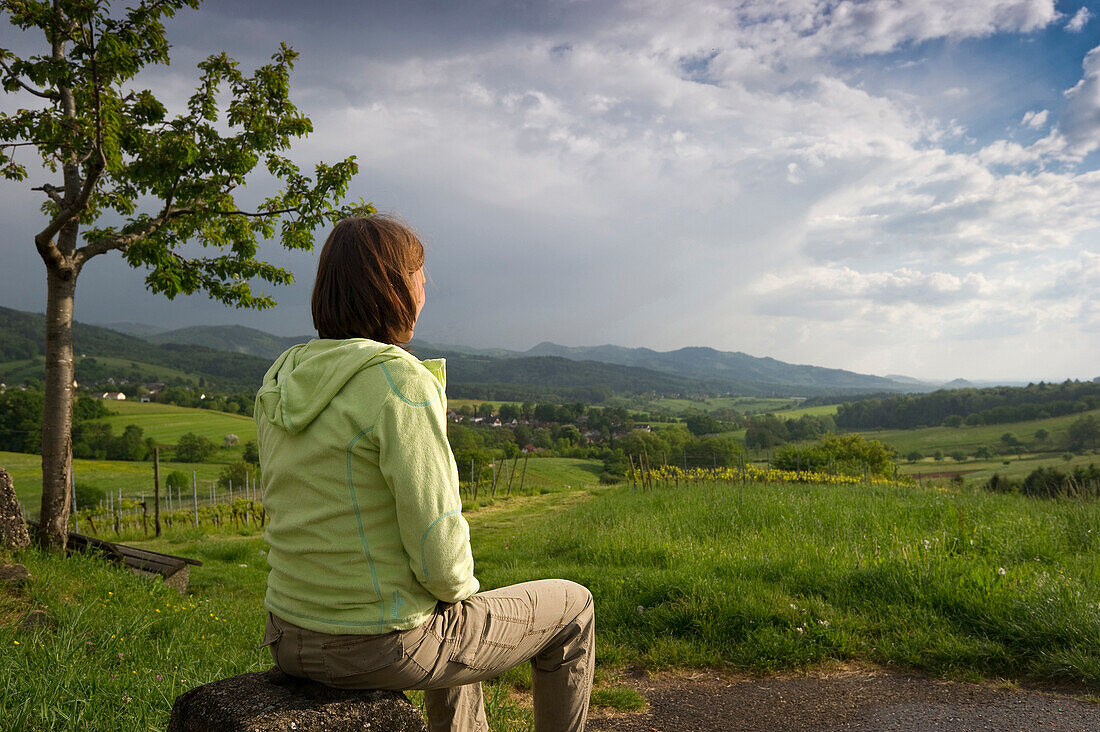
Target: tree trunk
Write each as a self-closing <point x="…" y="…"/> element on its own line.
<point x="57" y="421"/>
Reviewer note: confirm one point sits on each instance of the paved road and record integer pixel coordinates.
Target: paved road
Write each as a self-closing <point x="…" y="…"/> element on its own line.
<point x="854" y="701"/>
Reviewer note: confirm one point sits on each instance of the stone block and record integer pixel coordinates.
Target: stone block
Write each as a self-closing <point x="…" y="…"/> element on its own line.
<point x="272" y="700"/>
<point x="13" y="529"/>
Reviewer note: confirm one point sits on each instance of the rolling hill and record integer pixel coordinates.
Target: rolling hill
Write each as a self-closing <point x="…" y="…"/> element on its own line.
<point x="235" y="358"/>
<point x="22" y="346"/>
<point x="705" y="369"/>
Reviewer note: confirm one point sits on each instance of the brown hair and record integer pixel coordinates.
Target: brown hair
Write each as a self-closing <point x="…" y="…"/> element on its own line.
<point x="365" y="286"/>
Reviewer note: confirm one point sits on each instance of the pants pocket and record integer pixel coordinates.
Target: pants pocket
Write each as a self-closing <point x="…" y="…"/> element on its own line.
<point x="360" y="656"/>
<point x="272" y="635"/>
<point x="491" y="632"/>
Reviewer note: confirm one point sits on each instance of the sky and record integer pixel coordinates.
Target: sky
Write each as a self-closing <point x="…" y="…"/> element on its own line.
<point x="891" y="186"/>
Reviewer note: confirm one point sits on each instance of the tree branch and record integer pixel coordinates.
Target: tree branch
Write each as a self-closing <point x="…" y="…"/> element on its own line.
<point x="257" y="214"/>
<point x="52" y="191"/>
<point x="107" y="244"/>
<point x="27" y="87"/>
<point x="47" y="248"/>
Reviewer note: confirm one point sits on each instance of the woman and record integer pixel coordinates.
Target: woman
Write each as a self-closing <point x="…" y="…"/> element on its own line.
<point x="371" y="583"/>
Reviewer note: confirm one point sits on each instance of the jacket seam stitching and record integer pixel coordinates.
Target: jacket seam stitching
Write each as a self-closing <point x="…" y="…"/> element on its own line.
<point x="424" y="539"/>
<point x="359" y="522"/>
<point x="402" y="397"/>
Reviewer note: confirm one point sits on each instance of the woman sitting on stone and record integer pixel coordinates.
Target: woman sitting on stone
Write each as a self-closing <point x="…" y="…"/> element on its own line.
<point x="371" y="583"/>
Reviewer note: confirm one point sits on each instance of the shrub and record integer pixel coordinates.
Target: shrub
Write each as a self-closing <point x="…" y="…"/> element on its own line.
<point x="914" y="456"/>
<point x="193" y="448"/>
<point x="88" y="495"/>
<point x="237" y="475"/>
<point x="177" y="480"/>
<point x="997" y="484"/>
<point x="848" y="454"/>
<point x="1047" y="482"/>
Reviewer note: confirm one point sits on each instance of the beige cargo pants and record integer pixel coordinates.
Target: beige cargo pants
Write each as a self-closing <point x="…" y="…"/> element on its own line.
<point x="547" y="622"/>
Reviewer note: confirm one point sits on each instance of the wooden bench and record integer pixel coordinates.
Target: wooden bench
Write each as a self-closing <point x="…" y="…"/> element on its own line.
<point x="174" y="570"/>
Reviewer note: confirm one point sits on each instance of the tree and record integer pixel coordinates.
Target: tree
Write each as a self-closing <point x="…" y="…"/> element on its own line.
<point x="1084" y="430"/>
<point x="236" y="475"/>
<point x="177" y="480"/>
<point x="914" y="456"/>
<point x="700" y="423"/>
<point x="133" y="179"/>
<point x="193" y="448"/>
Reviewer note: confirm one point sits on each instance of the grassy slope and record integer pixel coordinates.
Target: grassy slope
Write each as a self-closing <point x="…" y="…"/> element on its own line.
<point x="760" y="578"/>
<point x="133" y="478"/>
<point x="166" y="423"/>
<point x="544" y="475"/>
<point x="745" y="405"/>
<point x="818" y="411"/>
<point x="930" y="439"/>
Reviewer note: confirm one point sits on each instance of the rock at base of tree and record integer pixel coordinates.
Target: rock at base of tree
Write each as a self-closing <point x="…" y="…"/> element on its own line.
<point x="272" y="700"/>
<point x="14" y="574"/>
<point x="13" y="529"/>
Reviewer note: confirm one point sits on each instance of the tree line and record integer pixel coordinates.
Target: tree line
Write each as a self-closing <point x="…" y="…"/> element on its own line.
<point x="954" y="407"/>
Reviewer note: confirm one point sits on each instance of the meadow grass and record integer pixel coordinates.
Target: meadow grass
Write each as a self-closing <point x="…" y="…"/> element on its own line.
<point x="1007" y="466"/>
<point x="760" y="578"/>
<point x="970" y="438"/>
<point x="742" y="404"/>
<point x="133" y="478"/>
<point x="166" y="423"/>
<point x="765" y="578"/>
<point x="818" y="411"/>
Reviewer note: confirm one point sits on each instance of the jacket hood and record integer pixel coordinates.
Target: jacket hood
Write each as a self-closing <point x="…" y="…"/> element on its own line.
<point x="306" y="377"/>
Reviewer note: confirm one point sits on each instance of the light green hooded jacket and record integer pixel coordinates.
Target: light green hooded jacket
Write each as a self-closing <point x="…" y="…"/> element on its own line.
<point x="366" y="531"/>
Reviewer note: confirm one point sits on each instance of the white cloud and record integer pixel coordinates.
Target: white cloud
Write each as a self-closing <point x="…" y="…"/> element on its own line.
<point x="1081" y="120"/>
<point x="1077" y="22"/>
<point x="1034" y="119"/>
<point x="715" y="173"/>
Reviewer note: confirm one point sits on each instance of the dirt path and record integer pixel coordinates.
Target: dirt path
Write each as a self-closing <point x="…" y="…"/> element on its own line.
<point x="867" y="700"/>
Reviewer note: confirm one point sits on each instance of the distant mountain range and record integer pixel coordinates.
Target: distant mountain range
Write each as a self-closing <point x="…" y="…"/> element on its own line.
<point x="232" y="355"/>
<point x="705" y="369"/>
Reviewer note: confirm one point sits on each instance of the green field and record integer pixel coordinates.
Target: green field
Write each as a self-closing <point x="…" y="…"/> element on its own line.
<point x="744" y="405"/>
<point x="818" y="411"/>
<point x="756" y="578"/>
<point x="969" y="439"/>
<point x="980" y="471"/>
<point x="17" y="372"/>
<point x="549" y="474"/>
<point x="133" y="478"/>
<point x="544" y="475"/>
<point x="166" y="423"/>
<point x="125" y="365"/>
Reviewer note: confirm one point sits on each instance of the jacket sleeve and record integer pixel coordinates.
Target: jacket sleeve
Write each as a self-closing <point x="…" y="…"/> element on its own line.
<point x="417" y="464"/>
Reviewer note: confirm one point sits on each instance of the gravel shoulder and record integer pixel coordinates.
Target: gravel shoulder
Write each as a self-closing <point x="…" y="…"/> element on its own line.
<point x="849" y="698"/>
